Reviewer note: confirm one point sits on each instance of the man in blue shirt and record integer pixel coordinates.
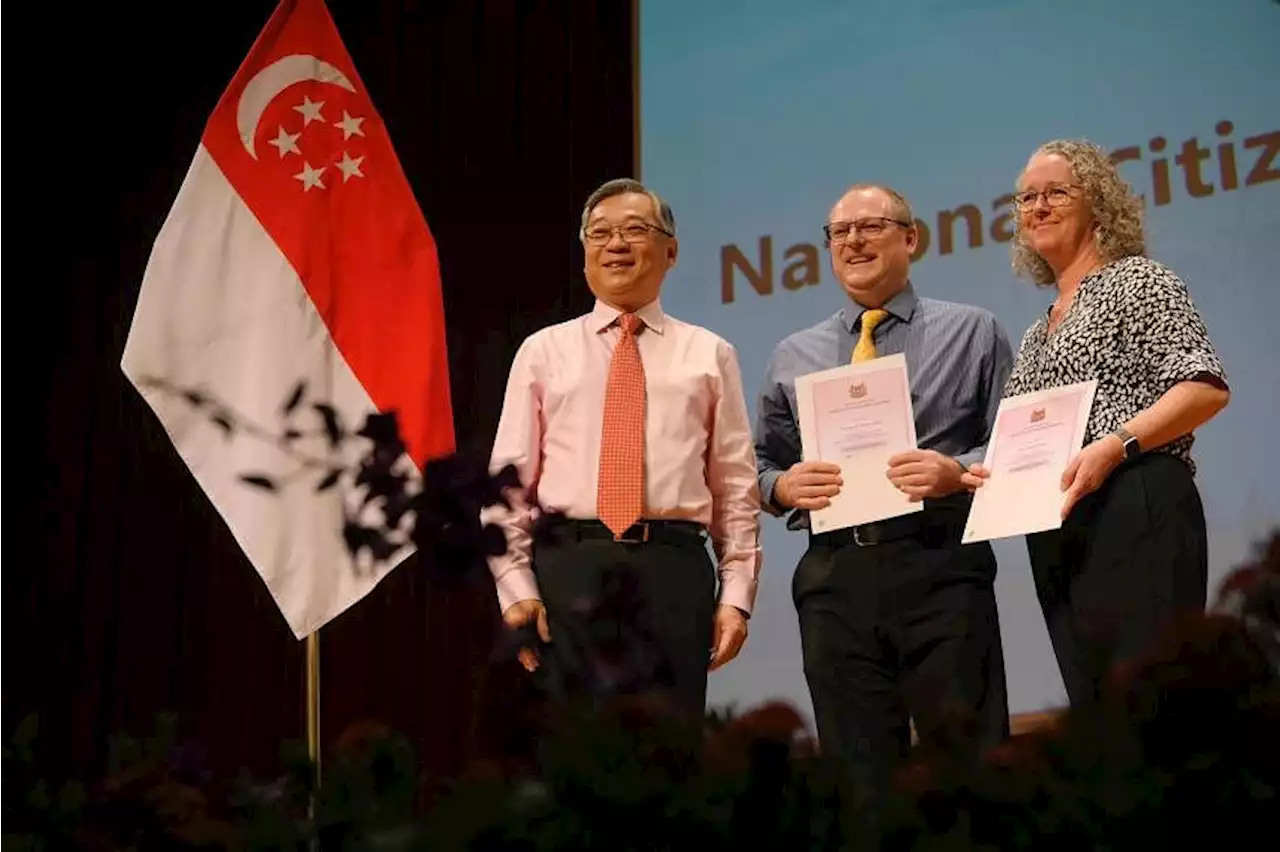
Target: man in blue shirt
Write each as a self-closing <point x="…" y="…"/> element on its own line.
<point x="897" y="618"/>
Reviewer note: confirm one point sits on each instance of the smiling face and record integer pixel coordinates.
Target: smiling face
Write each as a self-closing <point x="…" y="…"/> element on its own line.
<point x="627" y="275"/>
<point x="871" y="243"/>
<point x="1055" y="218"/>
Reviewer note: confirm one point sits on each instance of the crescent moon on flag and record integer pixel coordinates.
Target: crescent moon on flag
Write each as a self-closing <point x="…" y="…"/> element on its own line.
<point x="273" y="80"/>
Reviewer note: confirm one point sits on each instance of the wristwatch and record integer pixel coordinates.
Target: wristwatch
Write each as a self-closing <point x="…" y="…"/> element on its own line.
<point x="1131" y="448"/>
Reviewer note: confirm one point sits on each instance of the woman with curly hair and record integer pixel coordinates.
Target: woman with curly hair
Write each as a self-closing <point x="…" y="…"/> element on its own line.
<point x="1132" y="547"/>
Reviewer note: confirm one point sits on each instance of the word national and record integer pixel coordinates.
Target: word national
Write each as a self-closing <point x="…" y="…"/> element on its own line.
<point x="1225" y="167"/>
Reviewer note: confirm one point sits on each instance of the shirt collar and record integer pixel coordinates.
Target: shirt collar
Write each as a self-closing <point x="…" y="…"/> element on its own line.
<point x="602" y="316"/>
<point x="902" y="306"/>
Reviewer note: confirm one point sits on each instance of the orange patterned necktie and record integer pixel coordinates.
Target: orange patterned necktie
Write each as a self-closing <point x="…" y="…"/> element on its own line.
<point x="620" y="498"/>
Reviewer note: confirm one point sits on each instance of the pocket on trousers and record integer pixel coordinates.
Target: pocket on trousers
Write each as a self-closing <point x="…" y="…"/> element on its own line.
<point x="811" y="574"/>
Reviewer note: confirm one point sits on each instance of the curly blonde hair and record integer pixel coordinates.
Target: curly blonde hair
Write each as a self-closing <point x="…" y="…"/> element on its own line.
<point x="1116" y="208"/>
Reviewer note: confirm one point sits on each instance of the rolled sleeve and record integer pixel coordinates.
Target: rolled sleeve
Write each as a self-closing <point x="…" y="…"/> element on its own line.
<point x="1178" y="342"/>
<point x="735" y="494"/>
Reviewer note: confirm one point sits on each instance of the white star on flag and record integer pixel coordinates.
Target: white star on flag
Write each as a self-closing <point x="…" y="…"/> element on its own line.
<point x="349" y="125"/>
<point x="287" y="143"/>
<point x="310" y="110"/>
<point x="350" y="167"/>
<point x="310" y="177"/>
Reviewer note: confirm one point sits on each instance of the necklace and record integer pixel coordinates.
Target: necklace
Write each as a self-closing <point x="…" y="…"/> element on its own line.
<point x="1057" y="312"/>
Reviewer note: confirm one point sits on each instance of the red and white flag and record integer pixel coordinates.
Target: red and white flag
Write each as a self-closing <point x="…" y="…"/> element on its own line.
<point x="294" y="251"/>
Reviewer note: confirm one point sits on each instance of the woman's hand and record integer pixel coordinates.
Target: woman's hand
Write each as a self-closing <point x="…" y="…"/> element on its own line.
<point x="1089" y="469"/>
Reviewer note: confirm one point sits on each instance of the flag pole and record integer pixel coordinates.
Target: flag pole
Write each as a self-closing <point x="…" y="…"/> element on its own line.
<point x="313" y="704"/>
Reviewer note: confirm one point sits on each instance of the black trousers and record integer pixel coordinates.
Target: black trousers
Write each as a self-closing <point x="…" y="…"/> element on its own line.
<point x="626" y="618"/>
<point x="1129" y="556"/>
<point x="901" y="630"/>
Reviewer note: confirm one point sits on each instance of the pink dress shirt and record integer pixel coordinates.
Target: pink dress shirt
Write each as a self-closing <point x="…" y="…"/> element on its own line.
<point x="699" y="456"/>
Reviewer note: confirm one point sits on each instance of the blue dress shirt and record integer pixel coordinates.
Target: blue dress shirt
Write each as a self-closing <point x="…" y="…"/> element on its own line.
<point x="958" y="359"/>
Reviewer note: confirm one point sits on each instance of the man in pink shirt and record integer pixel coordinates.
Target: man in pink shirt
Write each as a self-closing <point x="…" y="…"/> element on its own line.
<point x="630" y="432"/>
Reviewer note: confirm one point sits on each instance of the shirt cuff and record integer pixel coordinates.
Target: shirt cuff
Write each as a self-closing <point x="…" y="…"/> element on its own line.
<point x="737" y="590"/>
<point x="1185" y="366"/>
<point x="517" y="584"/>
<point x="768" y="480"/>
<point x="971" y="457"/>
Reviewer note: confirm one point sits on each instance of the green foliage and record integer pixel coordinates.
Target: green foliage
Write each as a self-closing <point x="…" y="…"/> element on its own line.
<point x="38" y="814"/>
<point x="1172" y="756"/>
<point x="1183" y="751"/>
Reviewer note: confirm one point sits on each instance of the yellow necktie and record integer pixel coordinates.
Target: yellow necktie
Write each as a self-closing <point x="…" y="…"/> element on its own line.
<point x="866" y="348"/>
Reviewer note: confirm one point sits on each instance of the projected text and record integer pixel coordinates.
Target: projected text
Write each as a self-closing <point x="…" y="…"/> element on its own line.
<point x="1225" y="166"/>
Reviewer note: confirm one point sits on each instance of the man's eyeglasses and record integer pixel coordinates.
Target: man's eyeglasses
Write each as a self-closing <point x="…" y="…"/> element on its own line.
<point x="1054" y="196"/>
<point x="632" y="232"/>
<point x="871" y="228"/>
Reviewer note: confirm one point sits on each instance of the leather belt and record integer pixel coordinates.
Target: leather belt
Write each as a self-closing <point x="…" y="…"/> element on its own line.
<point x="644" y="532"/>
<point x="933" y="525"/>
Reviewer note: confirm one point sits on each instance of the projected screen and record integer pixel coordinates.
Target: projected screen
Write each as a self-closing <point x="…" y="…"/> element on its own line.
<point x="755" y="115"/>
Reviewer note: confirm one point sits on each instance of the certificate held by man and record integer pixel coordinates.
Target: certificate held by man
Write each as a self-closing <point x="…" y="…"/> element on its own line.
<point x="1034" y="439"/>
<point x="858" y="416"/>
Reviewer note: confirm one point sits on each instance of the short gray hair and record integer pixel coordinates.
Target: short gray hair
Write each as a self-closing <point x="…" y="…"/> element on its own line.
<point x="623" y="186"/>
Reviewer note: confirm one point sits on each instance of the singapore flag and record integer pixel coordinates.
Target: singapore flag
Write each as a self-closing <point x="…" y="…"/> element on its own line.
<point x="295" y="251"/>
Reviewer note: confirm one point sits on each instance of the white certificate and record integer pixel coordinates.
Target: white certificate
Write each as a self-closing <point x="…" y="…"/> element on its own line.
<point x="1034" y="438"/>
<point x="858" y="416"/>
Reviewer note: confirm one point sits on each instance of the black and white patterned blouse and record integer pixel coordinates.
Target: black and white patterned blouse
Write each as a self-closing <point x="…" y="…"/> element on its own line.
<point x="1132" y="327"/>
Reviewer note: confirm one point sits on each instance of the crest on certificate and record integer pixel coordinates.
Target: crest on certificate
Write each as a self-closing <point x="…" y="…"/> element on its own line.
<point x="1037" y="414"/>
<point x="857" y="390"/>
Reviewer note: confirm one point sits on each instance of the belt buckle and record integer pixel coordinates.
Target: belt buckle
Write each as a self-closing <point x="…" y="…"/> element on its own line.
<point x="857" y="536"/>
<point x="644" y="535"/>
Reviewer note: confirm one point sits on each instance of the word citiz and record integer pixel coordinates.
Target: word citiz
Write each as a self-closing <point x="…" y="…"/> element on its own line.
<point x="801" y="264"/>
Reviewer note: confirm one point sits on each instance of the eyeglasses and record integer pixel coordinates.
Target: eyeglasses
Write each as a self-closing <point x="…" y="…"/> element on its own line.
<point x="632" y="232"/>
<point x="1054" y="196"/>
<point x="871" y="228"/>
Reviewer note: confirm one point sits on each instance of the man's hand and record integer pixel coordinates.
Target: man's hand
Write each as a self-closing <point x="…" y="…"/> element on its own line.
<point x="808" y="485"/>
<point x="925" y="473"/>
<point x="730" y="631"/>
<point x="521" y="613"/>
<point x="1089" y="469"/>
<point x="974" y="476"/>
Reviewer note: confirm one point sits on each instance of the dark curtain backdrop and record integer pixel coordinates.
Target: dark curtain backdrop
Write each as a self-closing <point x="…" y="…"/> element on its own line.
<point x="124" y="594"/>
